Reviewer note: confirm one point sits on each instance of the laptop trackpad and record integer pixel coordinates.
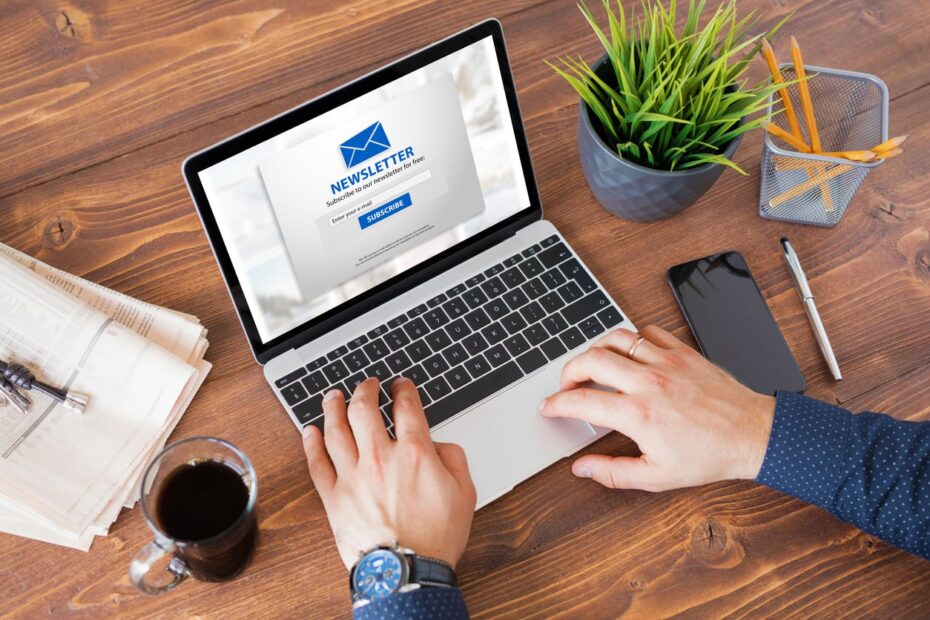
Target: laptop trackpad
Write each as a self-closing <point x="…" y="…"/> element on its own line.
<point x="507" y="441"/>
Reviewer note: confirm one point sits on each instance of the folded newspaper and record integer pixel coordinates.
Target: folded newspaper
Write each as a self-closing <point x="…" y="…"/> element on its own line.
<point x="64" y="477"/>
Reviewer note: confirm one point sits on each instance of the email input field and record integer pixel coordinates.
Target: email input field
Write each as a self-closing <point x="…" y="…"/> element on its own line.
<point x="384" y="196"/>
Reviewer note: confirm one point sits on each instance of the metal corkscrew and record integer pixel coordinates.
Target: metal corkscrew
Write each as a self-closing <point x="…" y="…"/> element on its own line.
<point x="13" y="376"/>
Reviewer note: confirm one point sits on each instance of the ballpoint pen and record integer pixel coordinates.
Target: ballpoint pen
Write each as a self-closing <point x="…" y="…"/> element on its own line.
<point x="807" y="300"/>
<point x="13" y="376"/>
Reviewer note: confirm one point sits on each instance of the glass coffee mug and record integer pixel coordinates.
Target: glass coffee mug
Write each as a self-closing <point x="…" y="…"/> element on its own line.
<point x="198" y="497"/>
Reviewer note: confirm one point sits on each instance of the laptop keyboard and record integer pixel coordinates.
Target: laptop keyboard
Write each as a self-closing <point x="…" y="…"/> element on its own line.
<point x="468" y="343"/>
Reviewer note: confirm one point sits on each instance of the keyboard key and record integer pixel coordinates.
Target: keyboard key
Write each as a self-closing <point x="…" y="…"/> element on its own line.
<point x="585" y="307"/>
<point x="496" y="308"/>
<point x="572" y="337"/>
<point x="290" y="377"/>
<point x="317" y="363"/>
<point x="493" y="270"/>
<point x="457" y="377"/>
<point x="397" y="321"/>
<point x="610" y="316"/>
<point x="530" y="251"/>
<point x="416" y="374"/>
<point x="315" y="382"/>
<point x="436" y="365"/>
<point x="515" y="298"/>
<point x="375" y="350"/>
<point x="549" y="241"/>
<point x="494" y="333"/>
<point x="387" y="414"/>
<point x="475" y="344"/>
<point x="555" y="324"/>
<point x="513" y="323"/>
<point x="532" y="312"/>
<point x="534" y="288"/>
<point x="310" y="409"/>
<point x="497" y="355"/>
<point x="513" y="260"/>
<point x="336" y="371"/>
<point x="551" y="302"/>
<point x="337" y="353"/>
<point x="398" y="361"/>
<point x="475" y="281"/>
<point x="455" y="307"/>
<point x="380" y="371"/>
<point x="418" y="351"/>
<point x="437" y="388"/>
<point x="356" y="360"/>
<point x="513" y="277"/>
<point x="417" y="311"/>
<point x="473" y="393"/>
<point x="387" y="387"/>
<point x="553" y="348"/>
<point x="553" y="279"/>
<point x="477" y="366"/>
<point x="397" y="339"/>
<point x="383" y="398"/>
<point x="573" y="269"/>
<point x="416" y="328"/>
<point x="352" y="382"/>
<point x="531" y="267"/>
<point x="436" y="318"/>
<point x="570" y="291"/>
<point x="531" y="360"/>
<point x="456" y="290"/>
<point x="342" y="388"/>
<point x="535" y="334"/>
<point x="474" y="297"/>
<point x="591" y="327"/>
<point x="438" y="340"/>
<point x="493" y="287"/>
<point x="554" y="255"/>
<point x="424" y="396"/>
<point x="357" y="342"/>
<point x="294" y="393"/>
<point x="377" y="332"/>
<point x="435" y="301"/>
<point x="455" y="354"/>
<point x="477" y="319"/>
<point x="516" y="345"/>
<point x="458" y="329"/>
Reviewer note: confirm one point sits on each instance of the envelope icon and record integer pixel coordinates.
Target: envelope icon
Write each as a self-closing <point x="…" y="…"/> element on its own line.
<point x="364" y="145"/>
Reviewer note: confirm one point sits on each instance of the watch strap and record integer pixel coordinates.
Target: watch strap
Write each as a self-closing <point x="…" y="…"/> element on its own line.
<point x="429" y="572"/>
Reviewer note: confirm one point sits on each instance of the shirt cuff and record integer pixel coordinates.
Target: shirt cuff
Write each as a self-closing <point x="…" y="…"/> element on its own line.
<point x="807" y="448"/>
<point x="424" y="603"/>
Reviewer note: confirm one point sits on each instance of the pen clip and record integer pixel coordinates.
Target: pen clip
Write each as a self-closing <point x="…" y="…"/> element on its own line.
<point x="797" y="272"/>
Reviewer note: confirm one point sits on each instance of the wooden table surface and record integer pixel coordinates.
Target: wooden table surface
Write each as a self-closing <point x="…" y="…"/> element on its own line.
<point x="101" y="101"/>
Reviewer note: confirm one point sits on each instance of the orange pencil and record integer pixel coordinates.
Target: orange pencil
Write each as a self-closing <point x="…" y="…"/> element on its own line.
<point x="806" y="104"/>
<point x="778" y="132"/>
<point x="769" y="55"/>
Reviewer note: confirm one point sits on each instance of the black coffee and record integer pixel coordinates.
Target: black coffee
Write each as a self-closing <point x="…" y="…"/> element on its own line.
<point x="199" y="502"/>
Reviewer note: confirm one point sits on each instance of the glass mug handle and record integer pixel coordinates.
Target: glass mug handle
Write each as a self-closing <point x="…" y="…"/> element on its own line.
<point x="151" y="553"/>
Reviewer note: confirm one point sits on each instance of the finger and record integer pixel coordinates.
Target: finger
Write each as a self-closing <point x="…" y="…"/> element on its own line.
<point x="365" y="417"/>
<point x="337" y="436"/>
<point x="605" y="367"/>
<point x="661" y="338"/>
<point x="620" y="412"/>
<point x="623" y="341"/>
<point x="617" y="472"/>
<point x="454" y="459"/>
<point x="409" y="419"/>
<point x="322" y="472"/>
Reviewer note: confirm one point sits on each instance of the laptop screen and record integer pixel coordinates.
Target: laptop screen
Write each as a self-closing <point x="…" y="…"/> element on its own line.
<point x="325" y="211"/>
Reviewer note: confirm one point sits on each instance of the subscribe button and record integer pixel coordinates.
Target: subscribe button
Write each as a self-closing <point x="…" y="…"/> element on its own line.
<point x="386" y="210"/>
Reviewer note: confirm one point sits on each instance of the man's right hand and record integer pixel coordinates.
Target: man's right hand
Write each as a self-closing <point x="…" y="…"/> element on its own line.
<point x="694" y="423"/>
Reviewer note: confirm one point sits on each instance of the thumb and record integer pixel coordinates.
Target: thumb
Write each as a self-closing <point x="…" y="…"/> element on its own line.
<point x="617" y="472"/>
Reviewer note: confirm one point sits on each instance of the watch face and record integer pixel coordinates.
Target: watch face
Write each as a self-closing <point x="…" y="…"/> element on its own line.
<point x="378" y="574"/>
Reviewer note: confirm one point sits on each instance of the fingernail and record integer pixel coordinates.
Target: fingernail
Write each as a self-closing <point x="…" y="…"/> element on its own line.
<point x="542" y="405"/>
<point x="331" y="395"/>
<point x="581" y="471"/>
<point x="305" y="431"/>
<point x="400" y="379"/>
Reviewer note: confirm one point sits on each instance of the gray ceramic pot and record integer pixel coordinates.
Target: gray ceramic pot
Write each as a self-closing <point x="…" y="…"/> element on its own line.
<point x="635" y="192"/>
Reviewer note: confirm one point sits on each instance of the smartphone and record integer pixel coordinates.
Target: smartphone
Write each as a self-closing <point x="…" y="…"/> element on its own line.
<point x="732" y="324"/>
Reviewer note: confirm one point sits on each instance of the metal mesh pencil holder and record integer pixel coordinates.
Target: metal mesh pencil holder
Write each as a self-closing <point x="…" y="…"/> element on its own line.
<point x="852" y="114"/>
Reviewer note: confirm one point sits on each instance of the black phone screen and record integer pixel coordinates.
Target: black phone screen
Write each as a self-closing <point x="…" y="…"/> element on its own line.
<point x="732" y="323"/>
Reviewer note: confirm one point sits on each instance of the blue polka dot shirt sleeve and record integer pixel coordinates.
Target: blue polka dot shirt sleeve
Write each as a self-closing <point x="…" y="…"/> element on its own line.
<point x="868" y="469"/>
<point x="422" y="604"/>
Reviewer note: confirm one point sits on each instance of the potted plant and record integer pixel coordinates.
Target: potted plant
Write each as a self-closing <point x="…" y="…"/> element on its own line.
<point x="662" y="112"/>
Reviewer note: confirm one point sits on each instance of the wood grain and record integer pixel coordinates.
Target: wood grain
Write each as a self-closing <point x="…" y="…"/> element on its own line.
<point x="99" y="104"/>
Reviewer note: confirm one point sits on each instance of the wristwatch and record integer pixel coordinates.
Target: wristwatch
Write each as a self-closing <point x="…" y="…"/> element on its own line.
<point x="387" y="569"/>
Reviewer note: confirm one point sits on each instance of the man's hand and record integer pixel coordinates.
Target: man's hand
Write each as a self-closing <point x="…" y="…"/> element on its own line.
<point x="694" y="424"/>
<point x="376" y="490"/>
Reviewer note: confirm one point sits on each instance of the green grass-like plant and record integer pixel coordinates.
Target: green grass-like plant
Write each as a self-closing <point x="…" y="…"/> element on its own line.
<point x="672" y="101"/>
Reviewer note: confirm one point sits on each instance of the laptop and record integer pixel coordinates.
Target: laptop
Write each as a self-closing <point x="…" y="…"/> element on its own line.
<point x="392" y="227"/>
